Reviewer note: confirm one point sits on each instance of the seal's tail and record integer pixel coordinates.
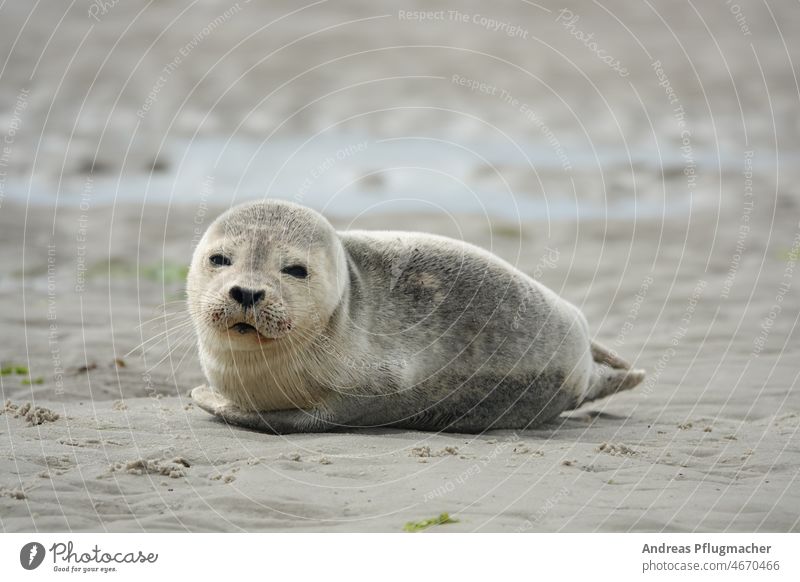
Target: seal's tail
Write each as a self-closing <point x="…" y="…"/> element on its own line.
<point x="612" y="374"/>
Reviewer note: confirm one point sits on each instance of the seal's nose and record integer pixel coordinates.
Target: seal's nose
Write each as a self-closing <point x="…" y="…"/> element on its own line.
<point x="246" y="297"/>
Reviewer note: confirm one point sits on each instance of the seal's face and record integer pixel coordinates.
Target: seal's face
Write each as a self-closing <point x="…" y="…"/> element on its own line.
<point x="265" y="274"/>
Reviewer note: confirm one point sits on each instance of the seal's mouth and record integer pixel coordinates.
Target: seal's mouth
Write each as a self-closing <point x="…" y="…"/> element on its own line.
<point x="243" y="328"/>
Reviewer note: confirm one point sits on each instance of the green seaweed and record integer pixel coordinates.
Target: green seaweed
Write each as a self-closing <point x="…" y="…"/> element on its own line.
<point x="506" y="230"/>
<point x="791" y="254"/>
<point x="165" y="272"/>
<point x="415" y="526"/>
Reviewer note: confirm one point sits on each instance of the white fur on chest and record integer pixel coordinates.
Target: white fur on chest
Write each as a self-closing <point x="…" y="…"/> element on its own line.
<point x="254" y="381"/>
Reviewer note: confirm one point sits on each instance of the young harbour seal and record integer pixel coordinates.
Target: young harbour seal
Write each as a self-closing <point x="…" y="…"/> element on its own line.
<point x="305" y="329"/>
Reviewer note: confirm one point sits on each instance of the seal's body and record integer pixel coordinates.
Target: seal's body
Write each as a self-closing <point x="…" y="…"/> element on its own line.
<point x="304" y="329"/>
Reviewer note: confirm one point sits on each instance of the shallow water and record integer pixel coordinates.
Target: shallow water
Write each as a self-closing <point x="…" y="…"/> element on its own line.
<point x="352" y="175"/>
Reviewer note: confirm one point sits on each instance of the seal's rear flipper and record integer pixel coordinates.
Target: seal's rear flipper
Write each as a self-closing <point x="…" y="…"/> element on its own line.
<point x="612" y="374"/>
<point x="608" y="381"/>
<point x="602" y="355"/>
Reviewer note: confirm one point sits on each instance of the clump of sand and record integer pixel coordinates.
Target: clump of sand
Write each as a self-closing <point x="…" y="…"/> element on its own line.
<point x="16" y="493"/>
<point x="425" y="451"/>
<point x="230" y="477"/>
<point x="616" y="449"/>
<point x="33" y="415"/>
<point x="290" y="457"/>
<point x="526" y="450"/>
<point x="176" y="468"/>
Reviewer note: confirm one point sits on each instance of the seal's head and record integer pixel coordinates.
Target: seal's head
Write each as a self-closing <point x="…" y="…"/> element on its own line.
<point x="265" y="274"/>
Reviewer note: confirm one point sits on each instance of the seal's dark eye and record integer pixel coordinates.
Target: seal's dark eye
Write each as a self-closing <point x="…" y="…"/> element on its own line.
<point x="298" y="271"/>
<point x="219" y="260"/>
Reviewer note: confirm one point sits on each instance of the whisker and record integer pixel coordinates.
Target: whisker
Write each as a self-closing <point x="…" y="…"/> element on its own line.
<point x="169" y="353"/>
<point x="163" y="317"/>
<point x="159" y="337"/>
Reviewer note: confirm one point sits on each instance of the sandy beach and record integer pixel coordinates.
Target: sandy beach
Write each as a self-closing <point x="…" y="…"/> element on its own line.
<point x="686" y="264"/>
<point x="708" y="443"/>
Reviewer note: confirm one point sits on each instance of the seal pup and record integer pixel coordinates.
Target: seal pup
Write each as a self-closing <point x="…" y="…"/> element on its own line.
<point x="305" y="329"/>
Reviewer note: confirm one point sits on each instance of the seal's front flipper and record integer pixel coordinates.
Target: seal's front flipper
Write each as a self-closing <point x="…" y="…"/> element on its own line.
<point x="275" y="422"/>
<point x="215" y="403"/>
<point x="209" y="399"/>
